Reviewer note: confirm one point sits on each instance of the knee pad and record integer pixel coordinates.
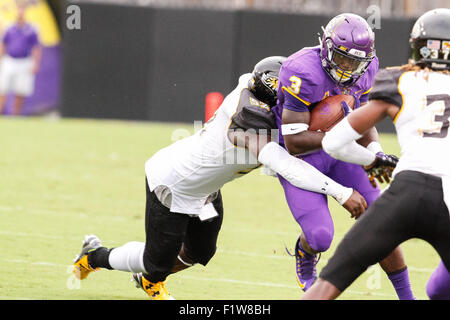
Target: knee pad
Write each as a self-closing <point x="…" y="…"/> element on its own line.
<point x="319" y="239"/>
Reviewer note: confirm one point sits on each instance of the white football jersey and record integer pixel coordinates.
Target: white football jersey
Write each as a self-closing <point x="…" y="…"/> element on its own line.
<point x="422" y="123"/>
<point x="196" y="167"/>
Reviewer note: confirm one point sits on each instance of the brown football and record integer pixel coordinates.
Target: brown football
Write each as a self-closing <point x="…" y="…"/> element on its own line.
<point x="328" y="112"/>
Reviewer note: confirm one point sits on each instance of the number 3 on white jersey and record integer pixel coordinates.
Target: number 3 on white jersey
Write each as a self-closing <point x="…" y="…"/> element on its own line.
<point x="437" y="122"/>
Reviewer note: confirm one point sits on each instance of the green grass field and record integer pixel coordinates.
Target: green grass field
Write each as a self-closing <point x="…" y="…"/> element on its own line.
<point x="62" y="179"/>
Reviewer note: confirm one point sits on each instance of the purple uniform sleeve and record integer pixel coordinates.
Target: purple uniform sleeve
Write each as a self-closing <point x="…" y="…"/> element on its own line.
<point x="6" y="36"/>
<point x="371" y="73"/>
<point x="296" y="90"/>
<point x="34" y="39"/>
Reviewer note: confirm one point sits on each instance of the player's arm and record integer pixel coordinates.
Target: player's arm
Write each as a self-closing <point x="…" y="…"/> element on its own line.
<point x="371" y="140"/>
<point x="369" y="115"/>
<point x="297" y="138"/>
<point x="298" y="172"/>
<point x="304" y="176"/>
<point x="36" y="54"/>
<point x="298" y="92"/>
<point x="352" y="128"/>
<point x="384" y="100"/>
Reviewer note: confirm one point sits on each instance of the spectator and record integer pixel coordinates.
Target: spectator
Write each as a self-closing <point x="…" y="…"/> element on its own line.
<point x="21" y="54"/>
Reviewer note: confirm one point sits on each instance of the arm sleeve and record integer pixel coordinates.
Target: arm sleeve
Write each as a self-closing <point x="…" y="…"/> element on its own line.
<point x="301" y="174"/>
<point x="340" y="143"/>
<point x="386" y="87"/>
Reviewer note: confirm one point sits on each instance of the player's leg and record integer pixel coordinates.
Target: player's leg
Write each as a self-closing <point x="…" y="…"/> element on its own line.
<point x="200" y="242"/>
<point x="310" y="209"/>
<point x="165" y="233"/>
<point x="385" y="225"/>
<point x="151" y="261"/>
<point x="436" y="217"/>
<point x="2" y="102"/>
<point x="23" y="85"/>
<point x="394" y="264"/>
<point x="438" y="286"/>
<point x="311" y="212"/>
<point x="18" y="104"/>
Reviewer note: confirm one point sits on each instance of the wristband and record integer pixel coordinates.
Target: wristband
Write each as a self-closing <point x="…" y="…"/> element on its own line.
<point x="293" y="128"/>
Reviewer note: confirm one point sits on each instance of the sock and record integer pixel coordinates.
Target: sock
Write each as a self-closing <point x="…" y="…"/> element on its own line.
<point x="129" y="257"/>
<point x="99" y="258"/>
<point x="400" y="281"/>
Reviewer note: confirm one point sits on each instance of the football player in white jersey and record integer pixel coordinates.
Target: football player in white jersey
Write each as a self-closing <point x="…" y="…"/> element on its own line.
<point x="184" y="205"/>
<point x="416" y="204"/>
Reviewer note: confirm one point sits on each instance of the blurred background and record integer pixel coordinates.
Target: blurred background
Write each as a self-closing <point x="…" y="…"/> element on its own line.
<point x="153" y="64"/>
<point x="158" y="59"/>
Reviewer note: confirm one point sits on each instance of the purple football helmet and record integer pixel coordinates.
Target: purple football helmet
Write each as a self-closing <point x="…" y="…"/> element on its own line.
<point x="347" y="48"/>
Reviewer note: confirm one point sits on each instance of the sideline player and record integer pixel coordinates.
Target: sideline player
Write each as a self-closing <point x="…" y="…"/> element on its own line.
<point x="184" y="206"/>
<point x="344" y="63"/>
<point x="416" y="205"/>
<point x="20" y="54"/>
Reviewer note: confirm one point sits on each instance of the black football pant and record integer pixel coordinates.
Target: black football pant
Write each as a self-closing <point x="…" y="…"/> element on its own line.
<point x="166" y="232"/>
<point x="412" y="207"/>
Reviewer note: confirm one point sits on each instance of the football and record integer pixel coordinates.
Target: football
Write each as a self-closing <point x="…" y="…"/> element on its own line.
<point x="328" y="112"/>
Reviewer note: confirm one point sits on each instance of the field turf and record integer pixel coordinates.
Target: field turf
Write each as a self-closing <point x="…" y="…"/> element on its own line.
<point x="62" y="179"/>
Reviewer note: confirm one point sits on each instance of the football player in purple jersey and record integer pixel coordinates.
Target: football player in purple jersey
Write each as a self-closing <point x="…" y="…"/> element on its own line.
<point x="416" y="204"/>
<point x="345" y="62"/>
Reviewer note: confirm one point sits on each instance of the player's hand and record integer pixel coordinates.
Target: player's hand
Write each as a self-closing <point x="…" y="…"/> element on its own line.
<point x="356" y="204"/>
<point x="381" y="169"/>
<point x="346" y="108"/>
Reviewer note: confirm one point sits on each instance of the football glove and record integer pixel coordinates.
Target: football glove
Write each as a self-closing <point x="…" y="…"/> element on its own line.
<point x="346" y="108"/>
<point x="381" y="169"/>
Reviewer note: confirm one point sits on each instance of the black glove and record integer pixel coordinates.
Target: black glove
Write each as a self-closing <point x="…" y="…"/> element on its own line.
<point x="382" y="168"/>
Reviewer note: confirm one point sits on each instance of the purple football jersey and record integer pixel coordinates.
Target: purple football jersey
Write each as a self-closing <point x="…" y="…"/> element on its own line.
<point x="19" y="41"/>
<point x="303" y="82"/>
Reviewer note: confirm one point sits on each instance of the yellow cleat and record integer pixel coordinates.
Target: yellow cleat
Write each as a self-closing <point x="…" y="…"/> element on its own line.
<point x="156" y="291"/>
<point x="81" y="267"/>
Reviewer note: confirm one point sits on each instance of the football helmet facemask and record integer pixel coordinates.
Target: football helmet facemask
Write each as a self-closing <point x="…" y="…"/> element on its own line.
<point x="347" y="48"/>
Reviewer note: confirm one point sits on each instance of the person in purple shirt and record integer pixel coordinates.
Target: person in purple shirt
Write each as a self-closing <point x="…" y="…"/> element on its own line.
<point x="21" y="55"/>
<point x="345" y="62"/>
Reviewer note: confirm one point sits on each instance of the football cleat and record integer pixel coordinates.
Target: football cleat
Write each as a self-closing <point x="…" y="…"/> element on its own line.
<point x="305" y="267"/>
<point x="156" y="291"/>
<point x="81" y="267"/>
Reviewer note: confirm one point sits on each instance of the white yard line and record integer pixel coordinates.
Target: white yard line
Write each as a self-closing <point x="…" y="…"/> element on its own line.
<point x="229" y="252"/>
<point x="206" y="279"/>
